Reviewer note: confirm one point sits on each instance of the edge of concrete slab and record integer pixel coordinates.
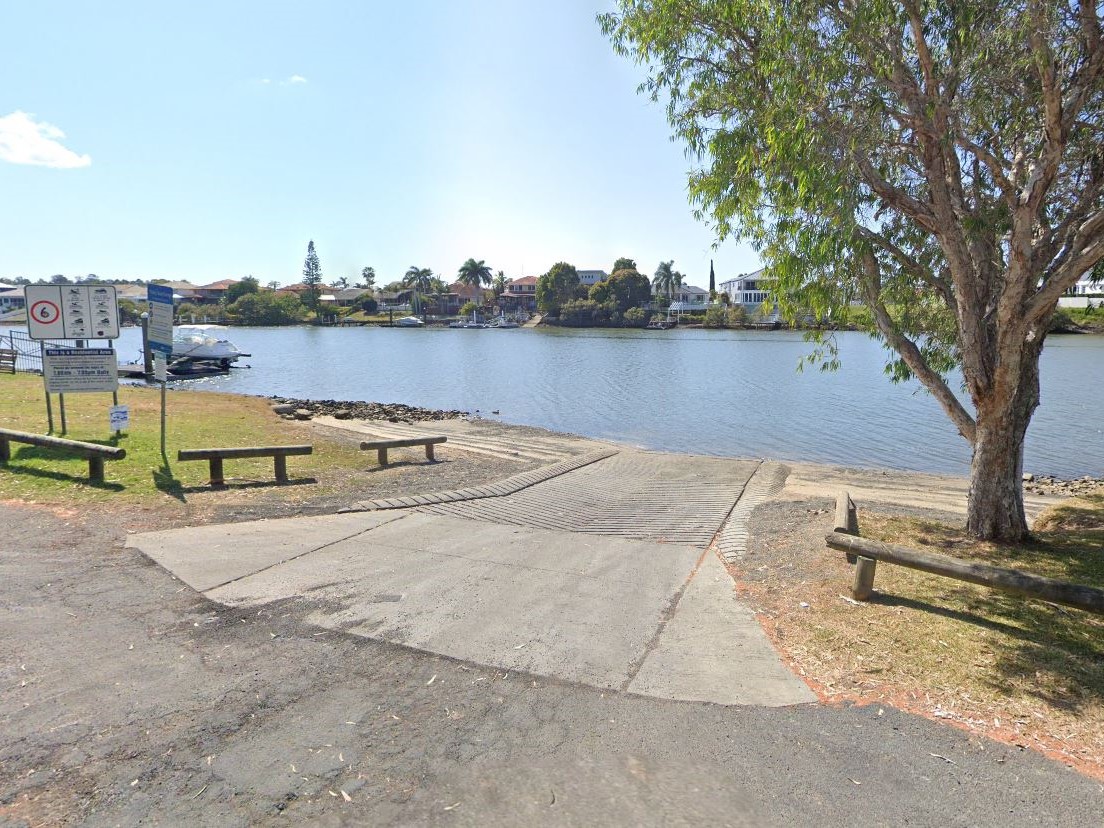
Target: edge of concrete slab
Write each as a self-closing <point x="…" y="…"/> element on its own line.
<point x="713" y="649"/>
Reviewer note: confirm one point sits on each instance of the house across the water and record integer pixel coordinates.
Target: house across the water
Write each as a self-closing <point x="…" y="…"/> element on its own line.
<point x="753" y="292"/>
<point x="520" y="294"/>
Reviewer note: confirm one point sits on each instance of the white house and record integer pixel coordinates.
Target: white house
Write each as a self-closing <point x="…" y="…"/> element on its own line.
<point x="591" y="277"/>
<point x="748" y="288"/>
<point x="11" y="297"/>
<point x="751" y="290"/>
<point x="1082" y="293"/>
<point x="1085" y="286"/>
<point x="688" y="298"/>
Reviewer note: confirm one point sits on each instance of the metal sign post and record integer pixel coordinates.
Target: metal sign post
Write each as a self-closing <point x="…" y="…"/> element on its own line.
<point x="161" y="374"/>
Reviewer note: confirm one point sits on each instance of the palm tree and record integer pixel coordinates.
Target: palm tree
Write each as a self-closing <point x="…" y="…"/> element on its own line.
<point x="667" y="280"/>
<point x="498" y="284"/>
<point x="421" y="280"/>
<point x="476" y="274"/>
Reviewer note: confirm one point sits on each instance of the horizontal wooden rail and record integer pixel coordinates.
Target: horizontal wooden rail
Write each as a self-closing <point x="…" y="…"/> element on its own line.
<point x="215" y="456"/>
<point x="238" y="453"/>
<point x="1080" y="597"/>
<point x="381" y="446"/>
<point x="93" y="452"/>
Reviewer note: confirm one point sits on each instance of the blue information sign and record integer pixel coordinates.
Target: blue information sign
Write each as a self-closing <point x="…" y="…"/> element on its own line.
<point x="160" y="298"/>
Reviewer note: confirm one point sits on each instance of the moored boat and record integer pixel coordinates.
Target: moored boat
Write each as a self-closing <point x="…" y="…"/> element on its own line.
<point x="204" y="343"/>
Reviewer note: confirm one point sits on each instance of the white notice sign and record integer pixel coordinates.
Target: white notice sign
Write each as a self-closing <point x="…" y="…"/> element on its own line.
<point x="160" y="368"/>
<point x="120" y="417"/>
<point x="75" y="370"/>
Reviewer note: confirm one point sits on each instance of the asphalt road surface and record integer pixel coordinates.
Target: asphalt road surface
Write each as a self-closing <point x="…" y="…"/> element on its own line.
<point x="126" y="697"/>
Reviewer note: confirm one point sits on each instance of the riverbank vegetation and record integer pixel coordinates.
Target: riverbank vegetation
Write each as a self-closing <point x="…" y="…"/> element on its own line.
<point x="1026" y="672"/>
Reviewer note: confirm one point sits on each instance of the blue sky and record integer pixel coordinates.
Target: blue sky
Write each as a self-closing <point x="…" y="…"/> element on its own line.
<point x="204" y="141"/>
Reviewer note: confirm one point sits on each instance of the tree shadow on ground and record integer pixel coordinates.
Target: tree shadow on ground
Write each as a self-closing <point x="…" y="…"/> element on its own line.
<point x="164" y="480"/>
<point x="1055" y="653"/>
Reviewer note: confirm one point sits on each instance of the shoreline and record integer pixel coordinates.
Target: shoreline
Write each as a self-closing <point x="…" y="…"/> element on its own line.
<point x="368" y="411"/>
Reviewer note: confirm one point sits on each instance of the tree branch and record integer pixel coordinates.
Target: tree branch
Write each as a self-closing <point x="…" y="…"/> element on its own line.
<point x="910" y="353"/>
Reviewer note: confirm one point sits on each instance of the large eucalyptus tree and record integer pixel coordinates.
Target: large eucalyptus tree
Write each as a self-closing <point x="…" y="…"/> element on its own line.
<point x="942" y="159"/>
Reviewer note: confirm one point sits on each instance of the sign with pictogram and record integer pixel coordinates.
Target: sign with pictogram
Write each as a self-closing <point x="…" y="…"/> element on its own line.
<point x="72" y="311"/>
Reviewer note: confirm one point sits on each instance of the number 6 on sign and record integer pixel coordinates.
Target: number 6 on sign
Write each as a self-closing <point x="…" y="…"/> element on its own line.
<point x="45" y="312"/>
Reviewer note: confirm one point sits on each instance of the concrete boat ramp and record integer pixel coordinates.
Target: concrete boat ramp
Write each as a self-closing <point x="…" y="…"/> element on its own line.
<point x="603" y="570"/>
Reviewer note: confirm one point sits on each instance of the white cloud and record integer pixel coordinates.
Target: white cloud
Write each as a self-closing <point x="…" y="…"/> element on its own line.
<point x="23" y="141"/>
<point x="296" y="79"/>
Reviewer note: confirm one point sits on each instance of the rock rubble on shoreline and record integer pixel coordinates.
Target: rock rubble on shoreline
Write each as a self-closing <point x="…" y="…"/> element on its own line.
<point x="292" y="409"/>
<point x="1047" y="485"/>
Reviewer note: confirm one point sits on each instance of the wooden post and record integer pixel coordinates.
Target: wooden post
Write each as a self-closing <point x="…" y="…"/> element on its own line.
<point x="381" y="456"/>
<point x="429" y="451"/>
<point x="863" y="584"/>
<point x="96" y="469"/>
<point x="280" y="462"/>
<point x="61" y="407"/>
<point x="216" y="471"/>
<point x="5" y="450"/>
<point x="847" y="520"/>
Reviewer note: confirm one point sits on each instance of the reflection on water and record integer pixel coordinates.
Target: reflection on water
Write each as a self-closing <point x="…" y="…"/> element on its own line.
<point x="733" y="393"/>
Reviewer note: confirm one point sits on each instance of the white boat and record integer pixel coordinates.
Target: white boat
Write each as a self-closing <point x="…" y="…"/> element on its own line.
<point x="204" y="343"/>
<point x="409" y="322"/>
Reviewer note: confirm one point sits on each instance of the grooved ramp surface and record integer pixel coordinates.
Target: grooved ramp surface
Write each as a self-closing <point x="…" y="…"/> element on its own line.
<point x="634" y="494"/>
<point x="500" y="488"/>
<point x="769" y="479"/>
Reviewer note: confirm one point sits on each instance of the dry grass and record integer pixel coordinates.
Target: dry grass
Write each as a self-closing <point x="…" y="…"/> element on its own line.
<point x="1026" y="672"/>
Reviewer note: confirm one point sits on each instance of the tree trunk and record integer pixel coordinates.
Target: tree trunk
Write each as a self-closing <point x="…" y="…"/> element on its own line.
<point x="995" y="509"/>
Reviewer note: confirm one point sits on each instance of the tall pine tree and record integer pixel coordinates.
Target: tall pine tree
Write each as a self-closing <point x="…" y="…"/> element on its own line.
<point x="312" y="277"/>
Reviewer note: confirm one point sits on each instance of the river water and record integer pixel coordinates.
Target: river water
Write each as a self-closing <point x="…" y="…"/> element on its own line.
<point x="731" y="393"/>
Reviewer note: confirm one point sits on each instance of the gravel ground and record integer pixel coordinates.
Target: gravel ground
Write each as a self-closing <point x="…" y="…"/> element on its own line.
<point x="126" y="699"/>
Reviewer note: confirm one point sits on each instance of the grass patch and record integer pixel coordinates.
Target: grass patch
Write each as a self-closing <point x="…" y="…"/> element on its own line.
<point x="1025" y="671"/>
<point x="195" y="420"/>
